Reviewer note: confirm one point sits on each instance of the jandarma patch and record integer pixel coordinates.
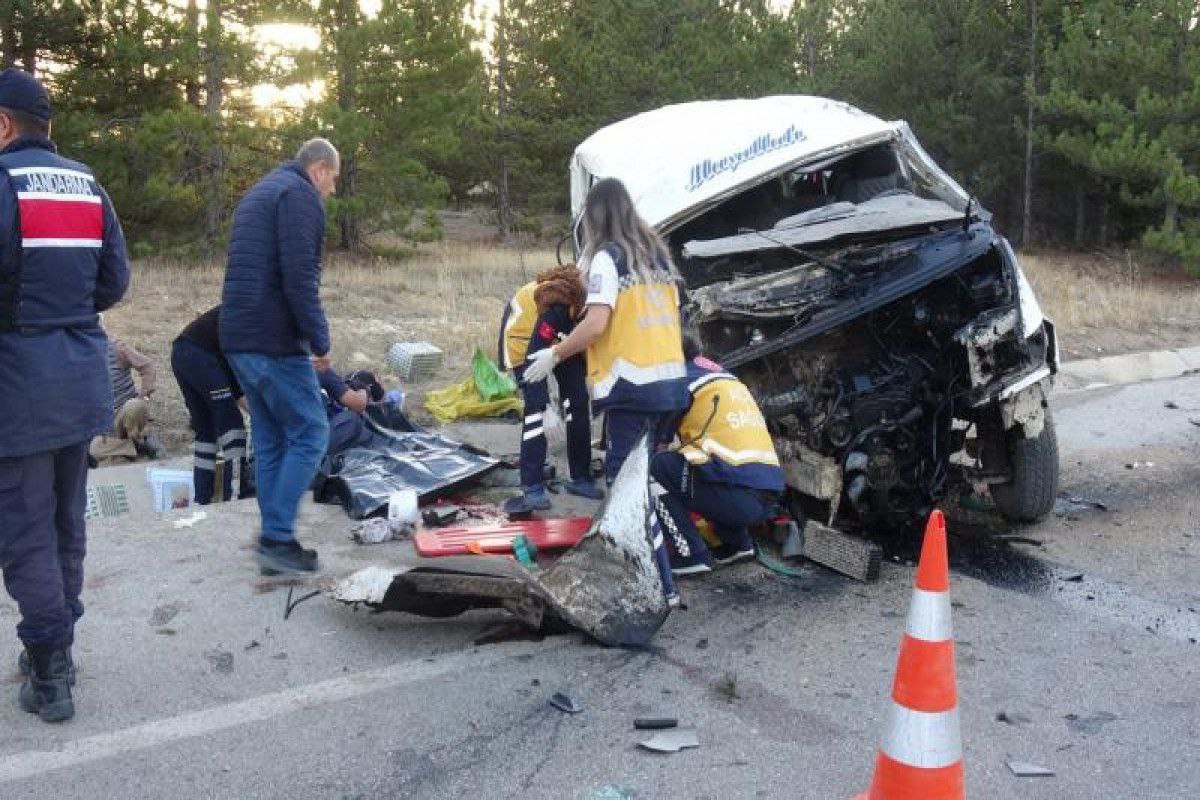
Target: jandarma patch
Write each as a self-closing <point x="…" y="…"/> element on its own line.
<point x="704" y="171"/>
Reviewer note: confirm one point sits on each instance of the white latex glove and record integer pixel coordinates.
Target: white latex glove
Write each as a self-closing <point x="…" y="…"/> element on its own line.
<point x="554" y="427"/>
<point x="540" y="365"/>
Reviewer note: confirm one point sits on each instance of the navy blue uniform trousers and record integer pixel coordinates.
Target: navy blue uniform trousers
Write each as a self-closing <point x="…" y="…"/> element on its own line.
<point x="207" y="387"/>
<point x="731" y="509"/>
<point x="571" y="377"/>
<point x="43" y="498"/>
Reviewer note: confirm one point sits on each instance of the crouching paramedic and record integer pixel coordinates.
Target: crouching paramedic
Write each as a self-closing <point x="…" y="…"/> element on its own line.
<point x="62" y="260"/>
<point x="211" y="394"/>
<point x="541" y="314"/>
<point x="724" y="468"/>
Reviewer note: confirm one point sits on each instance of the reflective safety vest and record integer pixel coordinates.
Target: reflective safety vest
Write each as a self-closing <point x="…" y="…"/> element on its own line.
<point x="516" y="327"/>
<point x="723" y="432"/>
<point x="637" y="363"/>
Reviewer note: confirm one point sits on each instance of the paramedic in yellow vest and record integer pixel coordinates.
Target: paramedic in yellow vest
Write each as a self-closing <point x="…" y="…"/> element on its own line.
<point x="724" y="468"/>
<point x="542" y="313"/>
<point x="631" y="329"/>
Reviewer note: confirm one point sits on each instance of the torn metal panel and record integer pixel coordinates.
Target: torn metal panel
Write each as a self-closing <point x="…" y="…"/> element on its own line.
<point x="607" y="586"/>
<point x="1026" y="408"/>
<point x="980" y="338"/>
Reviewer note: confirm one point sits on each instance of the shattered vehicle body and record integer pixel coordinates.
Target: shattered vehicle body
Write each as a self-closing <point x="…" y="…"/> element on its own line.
<point x="887" y="331"/>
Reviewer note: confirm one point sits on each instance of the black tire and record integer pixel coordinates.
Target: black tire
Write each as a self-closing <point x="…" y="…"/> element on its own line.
<point x="1033" y="463"/>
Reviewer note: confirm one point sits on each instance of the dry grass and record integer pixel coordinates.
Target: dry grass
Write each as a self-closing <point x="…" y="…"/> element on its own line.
<point x="1103" y="304"/>
<point x="452" y="295"/>
<point x="449" y="294"/>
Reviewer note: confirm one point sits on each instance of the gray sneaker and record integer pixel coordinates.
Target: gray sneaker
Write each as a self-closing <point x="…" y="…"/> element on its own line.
<point x="284" y="557"/>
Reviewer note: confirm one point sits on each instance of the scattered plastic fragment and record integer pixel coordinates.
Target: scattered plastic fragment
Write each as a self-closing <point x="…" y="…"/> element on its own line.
<point x="565" y="703"/>
<point x="190" y="519"/>
<point x="1023" y="770"/>
<point x="672" y="741"/>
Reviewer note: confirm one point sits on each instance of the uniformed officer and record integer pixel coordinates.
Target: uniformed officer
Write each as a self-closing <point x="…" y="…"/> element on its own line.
<point x="62" y="260"/>
<point x="724" y="468"/>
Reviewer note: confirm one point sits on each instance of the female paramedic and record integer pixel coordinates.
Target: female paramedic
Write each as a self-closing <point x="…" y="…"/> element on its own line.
<point x="541" y="313"/>
<point x="631" y="329"/>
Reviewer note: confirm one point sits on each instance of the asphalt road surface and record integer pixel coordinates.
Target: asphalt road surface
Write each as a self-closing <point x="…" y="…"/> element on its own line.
<point x="1076" y="651"/>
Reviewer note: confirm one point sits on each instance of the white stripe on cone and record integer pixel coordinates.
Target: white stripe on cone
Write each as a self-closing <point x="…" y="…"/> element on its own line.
<point x="929" y="616"/>
<point x="922" y="740"/>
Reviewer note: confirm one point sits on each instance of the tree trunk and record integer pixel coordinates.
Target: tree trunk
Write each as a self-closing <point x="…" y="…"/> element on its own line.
<point x="1031" y="92"/>
<point x="1080" y="215"/>
<point x="191" y="86"/>
<point x="1103" y="233"/>
<point x="504" y="210"/>
<point x="347" y="69"/>
<point x="214" y="85"/>
<point x="8" y="40"/>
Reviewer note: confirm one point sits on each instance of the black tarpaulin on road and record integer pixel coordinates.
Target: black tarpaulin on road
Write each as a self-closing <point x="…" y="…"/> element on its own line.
<point x="397" y="456"/>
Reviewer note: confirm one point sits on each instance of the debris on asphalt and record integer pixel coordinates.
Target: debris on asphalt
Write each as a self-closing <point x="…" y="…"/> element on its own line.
<point x="1086" y="502"/>
<point x="375" y="530"/>
<point x="190" y="520"/>
<point x="1076" y="578"/>
<point x="1023" y="770"/>
<point x="565" y="703"/>
<point x="438" y="516"/>
<point x="1089" y="725"/>
<point x="163" y="614"/>
<point x="654" y="723"/>
<point x="672" y="741"/>
<point x="608" y="585"/>
<point x="221" y="660"/>
<point x="1171" y="404"/>
<point x="1194" y="421"/>
<point x="1139" y="464"/>
<point x="253" y="644"/>
<point x="614" y="792"/>
<point x="1012" y="718"/>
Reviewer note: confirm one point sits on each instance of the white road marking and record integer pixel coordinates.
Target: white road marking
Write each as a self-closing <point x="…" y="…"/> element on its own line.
<point x="244" y="712"/>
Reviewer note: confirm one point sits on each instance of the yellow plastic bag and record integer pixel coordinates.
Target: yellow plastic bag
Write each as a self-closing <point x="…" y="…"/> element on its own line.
<point x="463" y="400"/>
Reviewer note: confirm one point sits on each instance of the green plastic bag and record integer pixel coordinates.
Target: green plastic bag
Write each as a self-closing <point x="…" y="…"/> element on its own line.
<point x="489" y="380"/>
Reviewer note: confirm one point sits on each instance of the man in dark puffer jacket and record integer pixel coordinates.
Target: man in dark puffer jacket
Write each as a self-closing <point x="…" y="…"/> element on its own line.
<point x="274" y="332"/>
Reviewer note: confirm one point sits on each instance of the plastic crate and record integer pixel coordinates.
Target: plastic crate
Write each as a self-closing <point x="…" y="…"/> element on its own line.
<point x="415" y="361"/>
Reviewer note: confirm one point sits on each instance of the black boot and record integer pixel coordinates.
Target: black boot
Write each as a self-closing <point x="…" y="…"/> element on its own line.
<point x="47" y="689"/>
<point x="23" y="665"/>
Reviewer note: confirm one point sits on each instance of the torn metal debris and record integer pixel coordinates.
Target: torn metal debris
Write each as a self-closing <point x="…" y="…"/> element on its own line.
<point x="607" y="586"/>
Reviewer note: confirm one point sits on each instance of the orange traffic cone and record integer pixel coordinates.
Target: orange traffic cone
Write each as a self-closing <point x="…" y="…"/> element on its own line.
<point x="920" y="757"/>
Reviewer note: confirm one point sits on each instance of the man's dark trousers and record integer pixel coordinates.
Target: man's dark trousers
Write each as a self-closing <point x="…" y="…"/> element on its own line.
<point x="43" y="498"/>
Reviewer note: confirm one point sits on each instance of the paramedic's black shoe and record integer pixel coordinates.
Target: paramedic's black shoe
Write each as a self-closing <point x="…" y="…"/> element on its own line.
<point x="23" y="665"/>
<point x="726" y="554"/>
<point x="47" y="689"/>
<point x="532" y="498"/>
<point x="697" y="563"/>
<point x="584" y="487"/>
<point x="275" y="558"/>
